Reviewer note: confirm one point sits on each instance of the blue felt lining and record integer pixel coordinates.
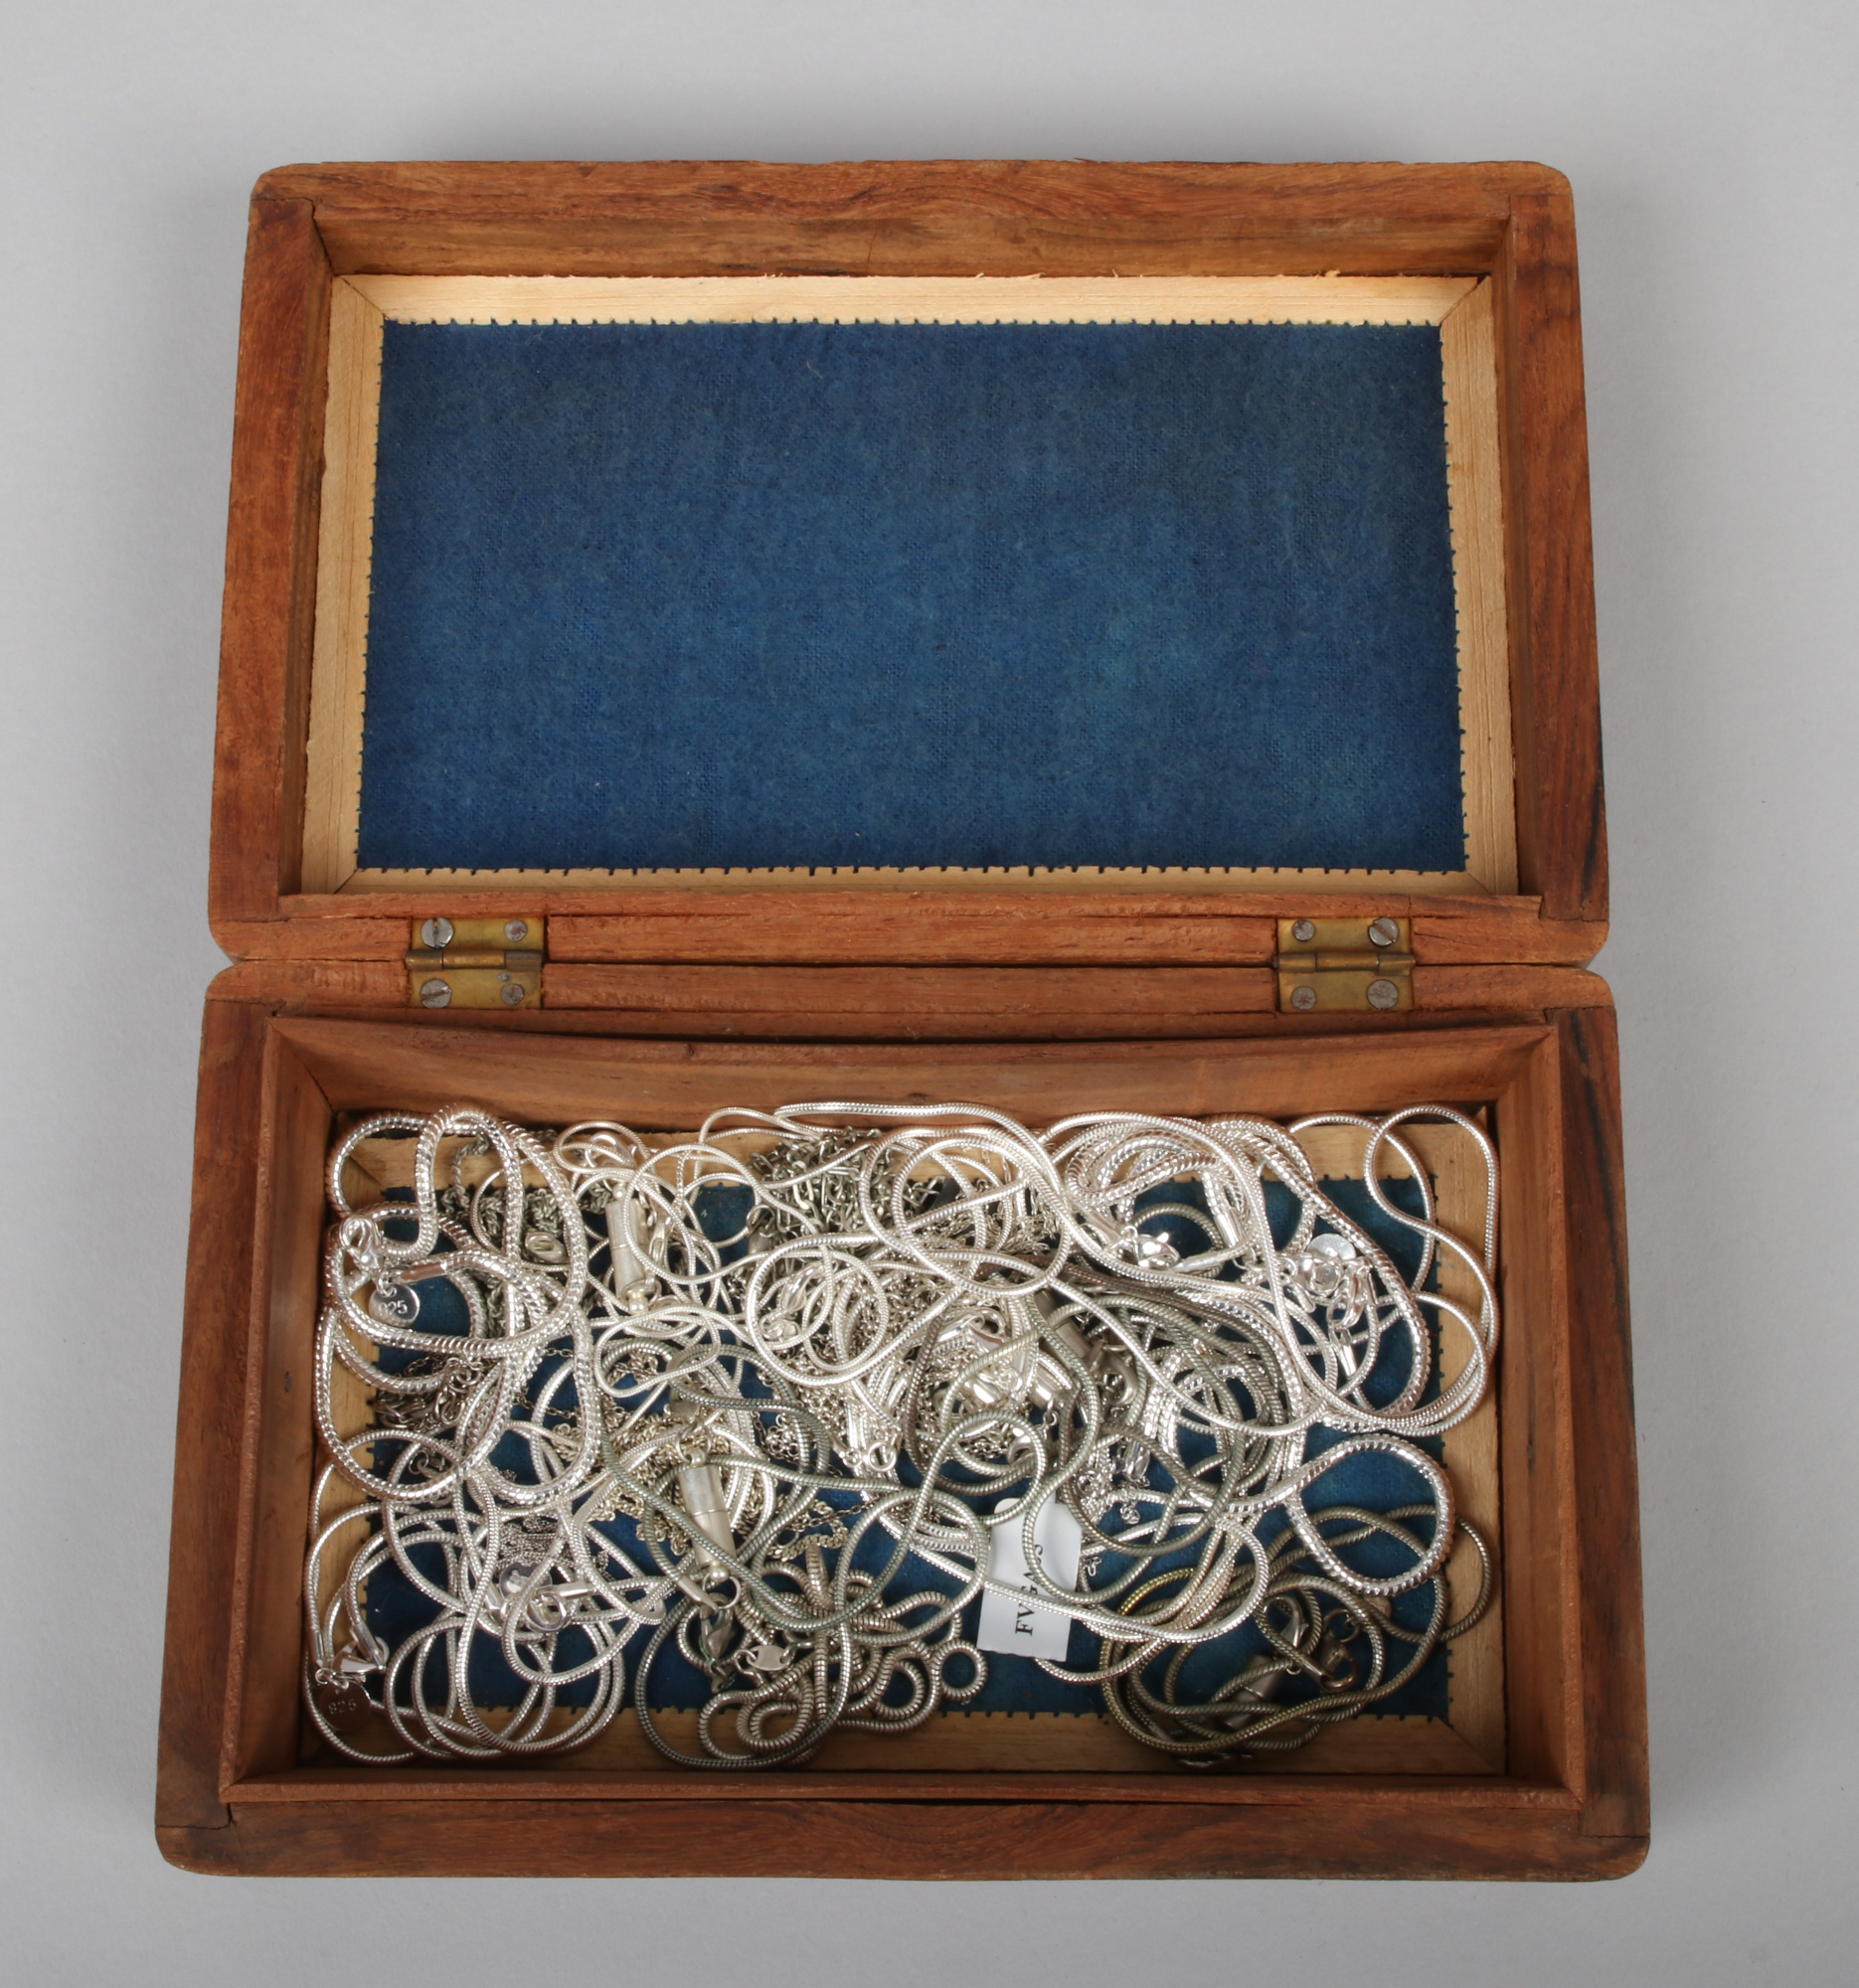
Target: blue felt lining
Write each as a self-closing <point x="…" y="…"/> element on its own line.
<point x="807" y="595"/>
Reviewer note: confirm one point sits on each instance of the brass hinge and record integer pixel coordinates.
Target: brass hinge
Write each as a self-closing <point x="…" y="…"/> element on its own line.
<point x="476" y="962"/>
<point x="1340" y="965"/>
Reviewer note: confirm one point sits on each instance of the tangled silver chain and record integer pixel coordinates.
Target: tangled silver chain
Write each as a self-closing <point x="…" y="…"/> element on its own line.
<point x="782" y="1450"/>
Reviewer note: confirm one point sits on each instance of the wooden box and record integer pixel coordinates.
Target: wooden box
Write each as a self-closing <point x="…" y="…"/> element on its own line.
<point x="661" y="995"/>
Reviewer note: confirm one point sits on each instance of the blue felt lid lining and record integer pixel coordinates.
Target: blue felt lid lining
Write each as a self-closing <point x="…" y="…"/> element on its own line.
<point x="790" y="595"/>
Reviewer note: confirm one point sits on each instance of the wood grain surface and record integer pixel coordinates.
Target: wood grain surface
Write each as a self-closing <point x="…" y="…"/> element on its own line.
<point x="267" y="619"/>
<point x="756" y="1835"/>
<point x="1555" y="696"/>
<point x="950" y="217"/>
<point x="212" y="1435"/>
<point x="1606" y="1590"/>
<point x="926" y="1004"/>
<point x="654" y="1085"/>
<point x="997" y="927"/>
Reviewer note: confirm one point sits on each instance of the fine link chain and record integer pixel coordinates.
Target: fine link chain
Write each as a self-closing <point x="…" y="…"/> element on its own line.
<point x="927" y="1323"/>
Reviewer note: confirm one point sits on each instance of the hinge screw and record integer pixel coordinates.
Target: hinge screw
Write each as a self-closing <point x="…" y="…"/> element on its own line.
<point x="1384" y="932"/>
<point x="1382" y="994"/>
<point x="510" y="994"/>
<point x="1303" y="931"/>
<point x="436" y="993"/>
<point x="437" y="933"/>
<point x="516" y="931"/>
<point x="1305" y="998"/>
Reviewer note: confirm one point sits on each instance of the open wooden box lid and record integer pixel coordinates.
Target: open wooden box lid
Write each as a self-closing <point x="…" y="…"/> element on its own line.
<point x="1486" y="253"/>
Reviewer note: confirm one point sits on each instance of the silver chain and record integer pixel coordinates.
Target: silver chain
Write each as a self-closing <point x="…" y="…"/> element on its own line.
<point x="929" y="1324"/>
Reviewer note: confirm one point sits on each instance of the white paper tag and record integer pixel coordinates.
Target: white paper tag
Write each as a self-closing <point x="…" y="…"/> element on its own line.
<point x="1012" y="1627"/>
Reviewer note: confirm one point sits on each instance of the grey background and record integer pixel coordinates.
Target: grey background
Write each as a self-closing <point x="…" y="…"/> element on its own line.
<point x="1716" y="167"/>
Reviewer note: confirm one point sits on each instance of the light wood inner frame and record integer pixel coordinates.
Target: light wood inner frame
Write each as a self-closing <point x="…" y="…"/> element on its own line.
<point x="318" y="1069"/>
<point x="1461" y="306"/>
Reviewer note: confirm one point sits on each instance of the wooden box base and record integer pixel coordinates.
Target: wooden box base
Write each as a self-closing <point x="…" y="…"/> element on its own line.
<point x="1561" y="1709"/>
